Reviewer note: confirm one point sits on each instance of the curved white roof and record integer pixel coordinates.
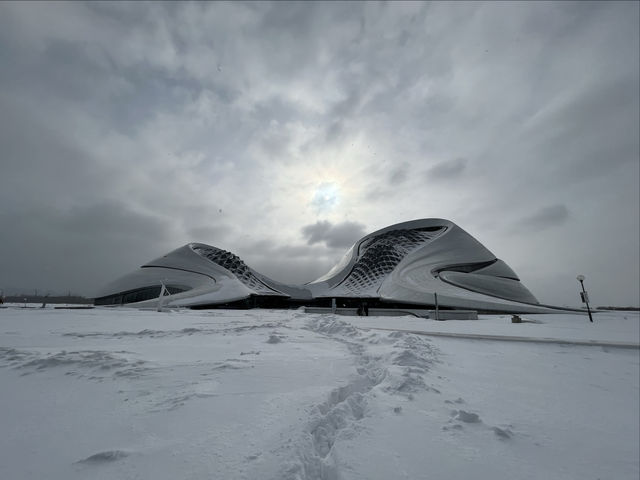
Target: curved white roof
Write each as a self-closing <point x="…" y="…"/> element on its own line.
<point x="405" y="263"/>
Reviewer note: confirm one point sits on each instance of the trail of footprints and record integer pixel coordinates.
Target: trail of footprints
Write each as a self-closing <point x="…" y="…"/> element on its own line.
<point x="401" y="372"/>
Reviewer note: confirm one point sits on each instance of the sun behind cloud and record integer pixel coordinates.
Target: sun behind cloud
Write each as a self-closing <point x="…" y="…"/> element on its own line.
<point x="326" y="197"/>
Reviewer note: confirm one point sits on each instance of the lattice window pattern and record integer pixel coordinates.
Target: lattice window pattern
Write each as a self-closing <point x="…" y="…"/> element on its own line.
<point x="381" y="254"/>
<point x="235" y="265"/>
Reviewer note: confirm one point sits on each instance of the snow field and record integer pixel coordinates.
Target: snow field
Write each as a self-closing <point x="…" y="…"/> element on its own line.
<point x="122" y="393"/>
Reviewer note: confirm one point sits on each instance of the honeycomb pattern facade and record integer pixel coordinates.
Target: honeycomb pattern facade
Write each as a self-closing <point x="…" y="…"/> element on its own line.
<point x="235" y="265"/>
<point x="379" y="255"/>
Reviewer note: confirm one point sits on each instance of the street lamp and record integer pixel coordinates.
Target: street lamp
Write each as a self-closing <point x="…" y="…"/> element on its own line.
<point x="584" y="296"/>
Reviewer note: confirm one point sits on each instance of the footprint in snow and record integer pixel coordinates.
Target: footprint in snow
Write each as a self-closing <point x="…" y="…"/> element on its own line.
<point x="455" y="426"/>
<point x="502" y="433"/>
<point x="466" y="417"/>
<point x="104" y="457"/>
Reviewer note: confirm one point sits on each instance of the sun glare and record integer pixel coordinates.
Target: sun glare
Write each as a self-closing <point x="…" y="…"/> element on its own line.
<point x="326" y="197"/>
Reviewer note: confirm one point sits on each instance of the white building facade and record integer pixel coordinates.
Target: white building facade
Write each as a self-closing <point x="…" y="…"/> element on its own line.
<point x="407" y="264"/>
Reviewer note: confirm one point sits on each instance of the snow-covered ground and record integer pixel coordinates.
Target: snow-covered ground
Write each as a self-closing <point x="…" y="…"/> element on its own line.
<point x="260" y="394"/>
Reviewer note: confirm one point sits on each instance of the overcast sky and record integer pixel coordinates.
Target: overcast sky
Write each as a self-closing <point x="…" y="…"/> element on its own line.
<point x="284" y="132"/>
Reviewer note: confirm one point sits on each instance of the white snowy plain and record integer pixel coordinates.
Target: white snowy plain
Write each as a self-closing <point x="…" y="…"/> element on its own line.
<point x="274" y="394"/>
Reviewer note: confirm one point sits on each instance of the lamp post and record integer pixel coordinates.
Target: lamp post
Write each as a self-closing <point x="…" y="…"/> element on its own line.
<point x="584" y="296"/>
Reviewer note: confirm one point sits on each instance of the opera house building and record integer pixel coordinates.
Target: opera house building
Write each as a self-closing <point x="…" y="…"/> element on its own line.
<point x="413" y="264"/>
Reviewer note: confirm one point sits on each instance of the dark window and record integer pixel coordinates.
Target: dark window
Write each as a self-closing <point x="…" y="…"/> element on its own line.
<point x="138" y="295"/>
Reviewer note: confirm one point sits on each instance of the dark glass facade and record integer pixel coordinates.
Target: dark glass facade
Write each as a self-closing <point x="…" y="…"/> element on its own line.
<point x="138" y="295"/>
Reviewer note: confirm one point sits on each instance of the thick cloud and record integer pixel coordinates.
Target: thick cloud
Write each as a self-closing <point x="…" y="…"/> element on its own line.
<point x="341" y="235"/>
<point x="552" y="216"/>
<point x="399" y="174"/>
<point x="211" y="234"/>
<point x="241" y="123"/>
<point x="447" y="170"/>
<point x="77" y="249"/>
